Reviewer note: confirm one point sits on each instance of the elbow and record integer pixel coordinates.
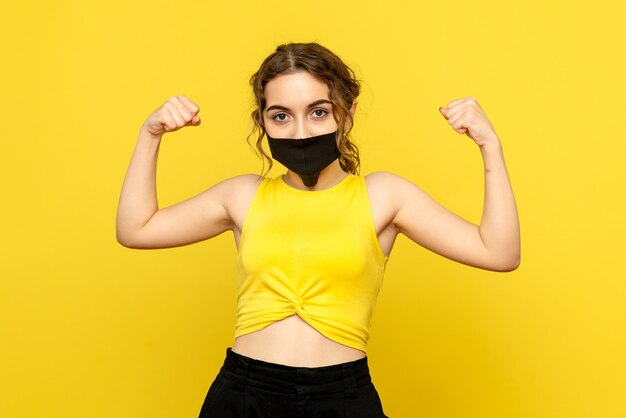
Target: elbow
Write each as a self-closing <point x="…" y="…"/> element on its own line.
<point x="127" y="235"/>
<point x="124" y="239"/>
<point x="510" y="267"/>
<point x="508" y="264"/>
<point x="135" y="241"/>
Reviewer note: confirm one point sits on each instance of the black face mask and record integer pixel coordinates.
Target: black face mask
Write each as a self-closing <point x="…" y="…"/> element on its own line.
<point x="306" y="157"/>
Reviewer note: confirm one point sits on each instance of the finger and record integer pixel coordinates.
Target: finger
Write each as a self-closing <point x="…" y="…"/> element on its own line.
<point x="457" y="115"/>
<point x="194" y="108"/>
<point x="467" y="106"/>
<point x="182" y="109"/>
<point x="175" y="114"/>
<point x="167" y="120"/>
<point x="449" y="112"/>
<point x="469" y="103"/>
<point x="459" y="124"/>
<point x="471" y="115"/>
<point x="193" y="120"/>
<point x="459" y="101"/>
<point x="457" y="111"/>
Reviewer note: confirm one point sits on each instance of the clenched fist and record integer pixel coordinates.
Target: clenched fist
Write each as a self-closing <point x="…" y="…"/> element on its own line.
<point x="467" y="117"/>
<point x="175" y="113"/>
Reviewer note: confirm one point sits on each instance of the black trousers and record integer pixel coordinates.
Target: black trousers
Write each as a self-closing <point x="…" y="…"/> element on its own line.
<point x="250" y="388"/>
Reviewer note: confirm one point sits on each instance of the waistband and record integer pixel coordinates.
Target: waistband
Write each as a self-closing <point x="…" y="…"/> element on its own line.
<point x="343" y="377"/>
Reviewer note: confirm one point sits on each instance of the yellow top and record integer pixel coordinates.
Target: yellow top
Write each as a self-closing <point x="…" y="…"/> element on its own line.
<point x="310" y="253"/>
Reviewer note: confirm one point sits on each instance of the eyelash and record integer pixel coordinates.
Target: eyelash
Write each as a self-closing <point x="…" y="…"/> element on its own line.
<point x="316" y="110"/>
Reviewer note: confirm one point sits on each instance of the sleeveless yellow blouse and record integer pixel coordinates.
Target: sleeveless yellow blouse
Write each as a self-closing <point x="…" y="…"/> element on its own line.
<point x="310" y="253"/>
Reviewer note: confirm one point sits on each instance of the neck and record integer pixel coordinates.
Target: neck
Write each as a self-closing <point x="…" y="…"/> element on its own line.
<point x="330" y="176"/>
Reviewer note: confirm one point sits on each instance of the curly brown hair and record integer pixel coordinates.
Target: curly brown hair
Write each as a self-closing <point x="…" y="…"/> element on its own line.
<point x="322" y="63"/>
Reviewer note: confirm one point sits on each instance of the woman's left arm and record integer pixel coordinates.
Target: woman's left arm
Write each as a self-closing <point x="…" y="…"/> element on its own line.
<point x="495" y="243"/>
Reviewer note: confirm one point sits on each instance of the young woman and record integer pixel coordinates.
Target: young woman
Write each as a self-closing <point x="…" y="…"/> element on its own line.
<point x="312" y="243"/>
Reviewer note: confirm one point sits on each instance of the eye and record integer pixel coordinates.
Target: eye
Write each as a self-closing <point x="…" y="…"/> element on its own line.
<point x="280" y="117"/>
<point x="320" y="113"/>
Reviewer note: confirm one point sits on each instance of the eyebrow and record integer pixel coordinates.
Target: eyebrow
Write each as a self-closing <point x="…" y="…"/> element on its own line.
<point x="315" y="103"/>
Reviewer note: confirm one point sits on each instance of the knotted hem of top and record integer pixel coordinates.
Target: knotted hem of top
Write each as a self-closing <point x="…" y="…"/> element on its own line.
<point x="299" y="310"/>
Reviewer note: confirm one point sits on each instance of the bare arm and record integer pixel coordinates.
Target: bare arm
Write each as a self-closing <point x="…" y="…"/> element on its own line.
<point x="492" y="245"/>
<point x="138" y="198"/>
<point x="140" y="223"/>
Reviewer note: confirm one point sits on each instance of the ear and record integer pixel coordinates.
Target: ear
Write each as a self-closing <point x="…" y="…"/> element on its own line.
<point x="353" y="109"/>
<point x="352" y="112"/>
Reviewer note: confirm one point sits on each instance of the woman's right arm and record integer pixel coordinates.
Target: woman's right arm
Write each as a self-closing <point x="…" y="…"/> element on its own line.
<point x="140" y="223"/>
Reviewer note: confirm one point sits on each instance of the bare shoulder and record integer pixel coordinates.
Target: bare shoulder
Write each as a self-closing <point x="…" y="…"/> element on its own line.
<point x="389" y="184"/>
<point x="387" y="193"/>
<point x="229" y="194"/>
<point x="393" y="192"/>
<point x="243" y="180"/>
<point x="381" y="178"/>
<point x="239" y="186"/>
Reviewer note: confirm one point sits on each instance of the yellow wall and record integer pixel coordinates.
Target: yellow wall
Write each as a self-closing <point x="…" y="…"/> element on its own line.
<point x="89" y="328"/>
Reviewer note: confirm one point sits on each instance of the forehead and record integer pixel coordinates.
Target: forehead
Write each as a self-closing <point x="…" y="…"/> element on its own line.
<point x="294" y="89"/>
